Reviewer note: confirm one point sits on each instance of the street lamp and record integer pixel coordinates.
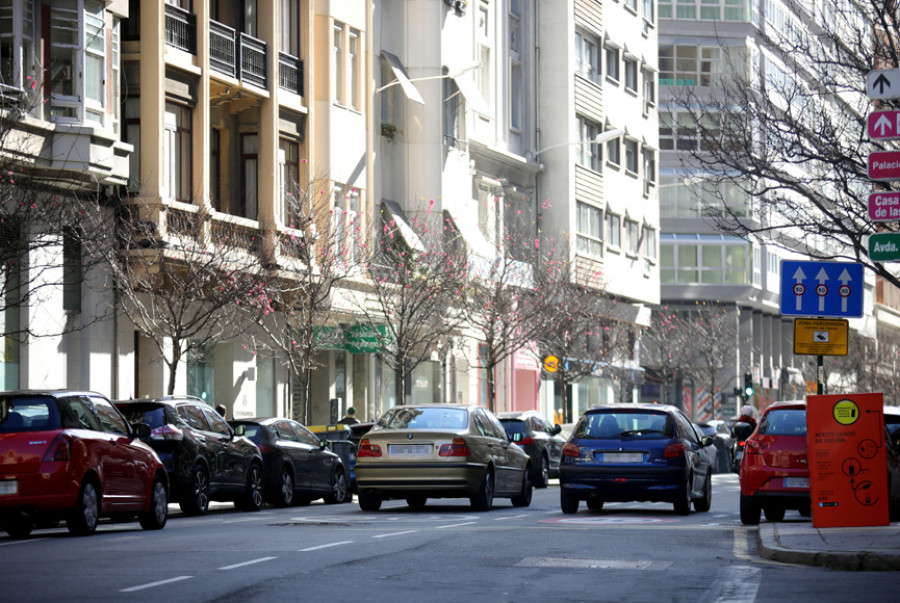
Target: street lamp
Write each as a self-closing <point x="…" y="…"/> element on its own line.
<point x="453" y="74"/>
<point x="599" y="139"/>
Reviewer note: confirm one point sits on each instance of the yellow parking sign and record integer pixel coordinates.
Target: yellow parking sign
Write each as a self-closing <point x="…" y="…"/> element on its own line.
<point x="821" y="336"/>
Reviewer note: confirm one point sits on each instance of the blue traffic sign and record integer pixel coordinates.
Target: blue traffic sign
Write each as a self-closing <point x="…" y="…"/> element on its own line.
<point x="822" y="289"/>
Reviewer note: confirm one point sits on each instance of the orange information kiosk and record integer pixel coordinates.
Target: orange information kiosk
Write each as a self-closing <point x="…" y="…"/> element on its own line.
<point x="847" y="463"/>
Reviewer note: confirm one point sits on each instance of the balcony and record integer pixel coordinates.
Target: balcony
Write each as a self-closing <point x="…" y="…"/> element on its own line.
<point x="181" y="29"/>
<point x="290" y="73"/>
<point x="237" y="54"/>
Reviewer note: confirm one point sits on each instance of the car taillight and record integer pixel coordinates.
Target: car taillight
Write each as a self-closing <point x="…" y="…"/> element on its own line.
<point x="753" y="447"/>
<point x="673" y="451"/>
<point x="166" y="432"/>
<point x="526" y="442"/>
<point x="58" y="451"/>
<point x="456" y="448"/>
<point x="368" y="449"/>
<point x="570" y="449"/>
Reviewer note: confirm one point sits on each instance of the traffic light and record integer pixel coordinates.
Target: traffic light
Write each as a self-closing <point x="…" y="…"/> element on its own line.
<point x="748" y="385"/>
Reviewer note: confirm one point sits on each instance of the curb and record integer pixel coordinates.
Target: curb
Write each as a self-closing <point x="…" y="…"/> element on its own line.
<point x="770" y="548"/>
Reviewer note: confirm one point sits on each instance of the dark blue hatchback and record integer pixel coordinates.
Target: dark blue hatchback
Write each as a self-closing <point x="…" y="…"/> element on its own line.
<point x="635" y="452"/>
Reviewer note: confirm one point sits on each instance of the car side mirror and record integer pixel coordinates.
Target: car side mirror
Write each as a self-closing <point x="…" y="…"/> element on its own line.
<point x="556" y="429"/>
<point x="707" y="441"/>
<point x="141" y="430"/>
<point x="239" y="430"/>
<point x="324" y="444"/>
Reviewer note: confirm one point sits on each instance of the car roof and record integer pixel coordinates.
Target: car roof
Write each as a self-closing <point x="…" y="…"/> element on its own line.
<point x="169" y="400"/>
<point x="639" y="406"/>
<point x="55" y="393"/>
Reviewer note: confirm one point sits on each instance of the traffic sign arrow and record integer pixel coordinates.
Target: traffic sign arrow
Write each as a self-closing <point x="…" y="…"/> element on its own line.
<point x="844" y="291"/>
<point x="883" y="124"/>
<point x="822" y="289"/>
<point x="883" y="83"/>
<point x="799" y="288"/>
<point x="845" y="301"/>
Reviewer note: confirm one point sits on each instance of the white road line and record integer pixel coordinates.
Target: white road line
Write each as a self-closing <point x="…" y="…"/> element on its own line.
<point x="735" y="584"/>
<point x="154" y="584"/>
<point x="510" y="517"/>
<point x="455" y="525"/>
<point x="248" y="520"/>
<point x="251" y="562"/>
<point x="325" y="546"/>
<point x="395" y="534"/>
<point x="24" y="541"/>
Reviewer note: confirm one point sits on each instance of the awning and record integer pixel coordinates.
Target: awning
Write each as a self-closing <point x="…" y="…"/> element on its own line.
<point x="473" y="97"/>
<point x="475" y="241"/>
<point x="395" y="220"/>
<point x="402" y="78"/>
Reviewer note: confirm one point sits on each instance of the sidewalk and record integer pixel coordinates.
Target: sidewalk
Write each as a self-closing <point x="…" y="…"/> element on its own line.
<point x="867" y="548"/>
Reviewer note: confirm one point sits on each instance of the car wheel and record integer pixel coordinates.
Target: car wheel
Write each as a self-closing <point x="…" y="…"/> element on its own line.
<point x="750" y="511"/>
<point x="524" y="498"/>
<point x="155" y="517"/>
<point x="594" y="504"/>
<point x="339" y="487"/>
<point x="416" y="503"/>
<point x="196" y="500"/>
<point x="369" y="501"/>
<point x="83" y="517"/>
<point x="683" y="504"/>
<point x="773" y="512"/>
<point x="568" y="503"/>
<point x="18" y="527"/>
<point x="284" y="497"/>
<point x="253" y="497"/>
<point x="542" y="476"/>
<point x="703" y="503"/>
<point x="484" y="498"/>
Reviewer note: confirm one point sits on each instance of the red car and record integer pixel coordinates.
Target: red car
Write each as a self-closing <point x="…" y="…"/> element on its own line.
<point x="775" y="471"/>
<point x="71" y="456"/>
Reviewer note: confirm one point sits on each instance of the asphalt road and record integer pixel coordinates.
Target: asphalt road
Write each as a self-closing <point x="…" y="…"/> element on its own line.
<point x="446" y="552"/>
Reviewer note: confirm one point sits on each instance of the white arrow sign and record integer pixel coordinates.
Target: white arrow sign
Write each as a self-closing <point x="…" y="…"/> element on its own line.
<point x="883" y="83"/>
<point x="798" y="287"/>
<point x="845" y="290"/>
<point x="822" y="289"/>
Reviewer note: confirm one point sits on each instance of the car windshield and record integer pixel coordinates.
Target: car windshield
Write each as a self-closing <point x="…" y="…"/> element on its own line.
<point x="29" y="414"/>
<point x="423" y="418"/>
<point x="153" y="415"/>
<point x="624" y="424"/>
<point x="784" y="421"/>
<point x="706" y="429"/>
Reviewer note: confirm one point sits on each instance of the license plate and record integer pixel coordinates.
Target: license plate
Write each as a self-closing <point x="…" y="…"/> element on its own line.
<point x="9" y="486"/>
<point x="410" y="449"/>
<point x="796" y="482"/>
<point x="621" y="457"/>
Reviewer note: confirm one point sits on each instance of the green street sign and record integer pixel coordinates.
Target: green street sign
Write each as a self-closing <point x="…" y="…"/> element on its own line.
<point x="884" y="246"/>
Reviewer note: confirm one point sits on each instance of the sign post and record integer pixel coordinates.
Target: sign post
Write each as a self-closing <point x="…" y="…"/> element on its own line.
<point x="846" y="459"/>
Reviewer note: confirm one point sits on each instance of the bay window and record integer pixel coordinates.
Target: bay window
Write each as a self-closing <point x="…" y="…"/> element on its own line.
<point x="17" y="56"/>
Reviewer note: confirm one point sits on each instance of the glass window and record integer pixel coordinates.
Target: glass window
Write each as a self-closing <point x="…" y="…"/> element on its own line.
<point x="454" y="112"/>
<point x="17" y="60"/>
<point x="353" y="57"/>
<point x="612" y="64"/>
<point x="613" y="229"/>
<point x="64" y="64"/>
<point x="111" y="420"/>
<point x="80" y="414"/>
<point x="338" y="64"/>
<point x="289" y="36"/>
<point x="289" y="165"/>
<point x="30" y="413"/>
<point x="588" y="153"/>
<point x="613" y="152"/>
<point x="305" y="435"/>
<point x="216" y="422"/>
<point x="516" y="97"/>
<point x="631" y="75"/>
<point x="194" y="416"/>
<point x="178" y="152"/>
<point x="286" y="431"/>
<point x="632" y="236"/>
<point x="587" y="61"/>
<point x="348" y="227"/>
<point x="590" y="230"/>
<point x="631" y="156"/>
<point x="249" y="175"/>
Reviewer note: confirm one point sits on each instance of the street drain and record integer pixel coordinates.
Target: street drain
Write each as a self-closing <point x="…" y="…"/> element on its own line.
<point x="618" y="564"/>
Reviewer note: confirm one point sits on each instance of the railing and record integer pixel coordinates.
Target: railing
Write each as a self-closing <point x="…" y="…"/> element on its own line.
<point x="253" y="60"/>
<point x="184" y="224"/>
<point x="222" y="49"/>
<point x="237" y="54"/>
<point x="181" y="29"/>
<point x="290" y="73"/>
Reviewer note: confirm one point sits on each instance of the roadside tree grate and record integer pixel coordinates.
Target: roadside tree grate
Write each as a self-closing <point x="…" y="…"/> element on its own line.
<point x="619" y="564"/>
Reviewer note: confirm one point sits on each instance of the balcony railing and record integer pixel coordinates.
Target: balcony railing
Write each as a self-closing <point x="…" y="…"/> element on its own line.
<point x="290" y="73"/>
<point x="237" y="54"/>
<point x="181" y="29"/>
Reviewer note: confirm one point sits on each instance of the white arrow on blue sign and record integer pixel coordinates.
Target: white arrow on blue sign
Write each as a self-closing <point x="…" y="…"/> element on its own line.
<point x="822" y="289"/>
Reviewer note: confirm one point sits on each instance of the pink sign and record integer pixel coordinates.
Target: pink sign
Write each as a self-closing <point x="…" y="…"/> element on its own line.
<point x="884" y="124"/>
<point x="884" y="206"/>
<point x="884" y="165"/>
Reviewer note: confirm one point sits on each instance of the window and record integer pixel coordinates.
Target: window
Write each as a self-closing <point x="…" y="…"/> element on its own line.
<point x="613" y="152"/>
<point x="590" y="230"/>
<point x="612" y="64"/>
<point x="709" y="10"/>
<point x="347" y="224"/>
<point x="178" y="152"/>
<point x="705" y="260"/>
<point x="17" y="60"/>
<point x="249" y="175"/>
<point x="649" y="242"/>
<point x="631" y="156"/>
<point x="353" y="52"/>
<point x="613" y="228"/>
<point x="632" y="237"/>
<point x="64" y="64"/>
<point x="648" y="14"/>
<point x="94" y="61"/>
<point x="289" y="37"/>
<point x="588" y="153"/>
<point x="132" y="135"/>
<point x="110" y="419"/>
<point x="683" y="65"/>
<point x="516" y="97"/>
<point x="631" y="75"/>
<point x="338" y="64"/>
<point x="289" y="166"/>
<point x="649" y="90"/>
<point x="454" y="112"/>
<point x="215" y="169"/>
<point x="632" y="4"/>
<point x="72" y="272"/>
<point x="587" y="59"/>
<point x="649" y="169"/>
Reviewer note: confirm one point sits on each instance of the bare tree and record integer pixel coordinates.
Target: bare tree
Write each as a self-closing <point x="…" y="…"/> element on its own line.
<point x="181" y="288"/>
<point x="663" y="349"/>
<point x="712" y="333"/>
<point x="411" y="304"/>
<point x="794" y="139"/>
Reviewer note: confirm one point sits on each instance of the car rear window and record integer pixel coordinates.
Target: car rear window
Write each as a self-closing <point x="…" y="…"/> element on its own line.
<point x="513" y="426"/>
<point x="153" y="415"/>
<point x="624" y="424"/>
<point x="784" y="421"/>
<point x="29" y="414"/>
<point x="424" y="418"/>
<point x="253" y="432"/>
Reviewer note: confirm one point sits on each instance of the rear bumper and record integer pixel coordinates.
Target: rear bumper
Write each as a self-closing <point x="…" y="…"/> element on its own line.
<point x="51" y="488"/>
<point x="435" y="480"/>
<point x="615" y="483"/>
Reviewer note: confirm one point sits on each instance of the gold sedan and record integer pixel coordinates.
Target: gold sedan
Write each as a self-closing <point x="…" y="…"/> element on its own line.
<point x="417" y="452"/>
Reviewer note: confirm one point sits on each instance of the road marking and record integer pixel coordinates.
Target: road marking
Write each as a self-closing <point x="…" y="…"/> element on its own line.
<point x="248" y="520"/>
<point x="455" y="525"/>
<point x="511" y="517"/>
<point x="394" y="534"/>
<point x="325" y="546"/>
<point x="735" y="584"/>
<point x="588" y="520"/>
<point x="617" y="564"/>
<point x="154" y="584"/>
<point x="12" y="542"/>
<point x="251" y="562"/>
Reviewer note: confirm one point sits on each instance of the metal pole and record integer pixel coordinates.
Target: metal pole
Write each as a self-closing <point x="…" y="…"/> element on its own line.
<point x="820" y="375"/>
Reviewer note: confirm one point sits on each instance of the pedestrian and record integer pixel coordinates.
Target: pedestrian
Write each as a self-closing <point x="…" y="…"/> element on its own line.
<point x="220" y="408"/>
<point x="747" y="416"/>
<point x="558" y="417"/>
<point x="350" y="417"/>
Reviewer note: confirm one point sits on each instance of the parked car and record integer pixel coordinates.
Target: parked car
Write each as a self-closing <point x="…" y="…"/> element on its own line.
<point x="539" y="439"/>
<point x="774" y="470"/>
<point x="720" y="431"/>
<point x="892" y="452"/>
<point x="67" y="455"/>
<point x="416" y="452"/>
<point x="205" y="457"/>
<point x="635" y="452"/>
<point x="710" y="452"/>
<point x="299" y="467"/>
